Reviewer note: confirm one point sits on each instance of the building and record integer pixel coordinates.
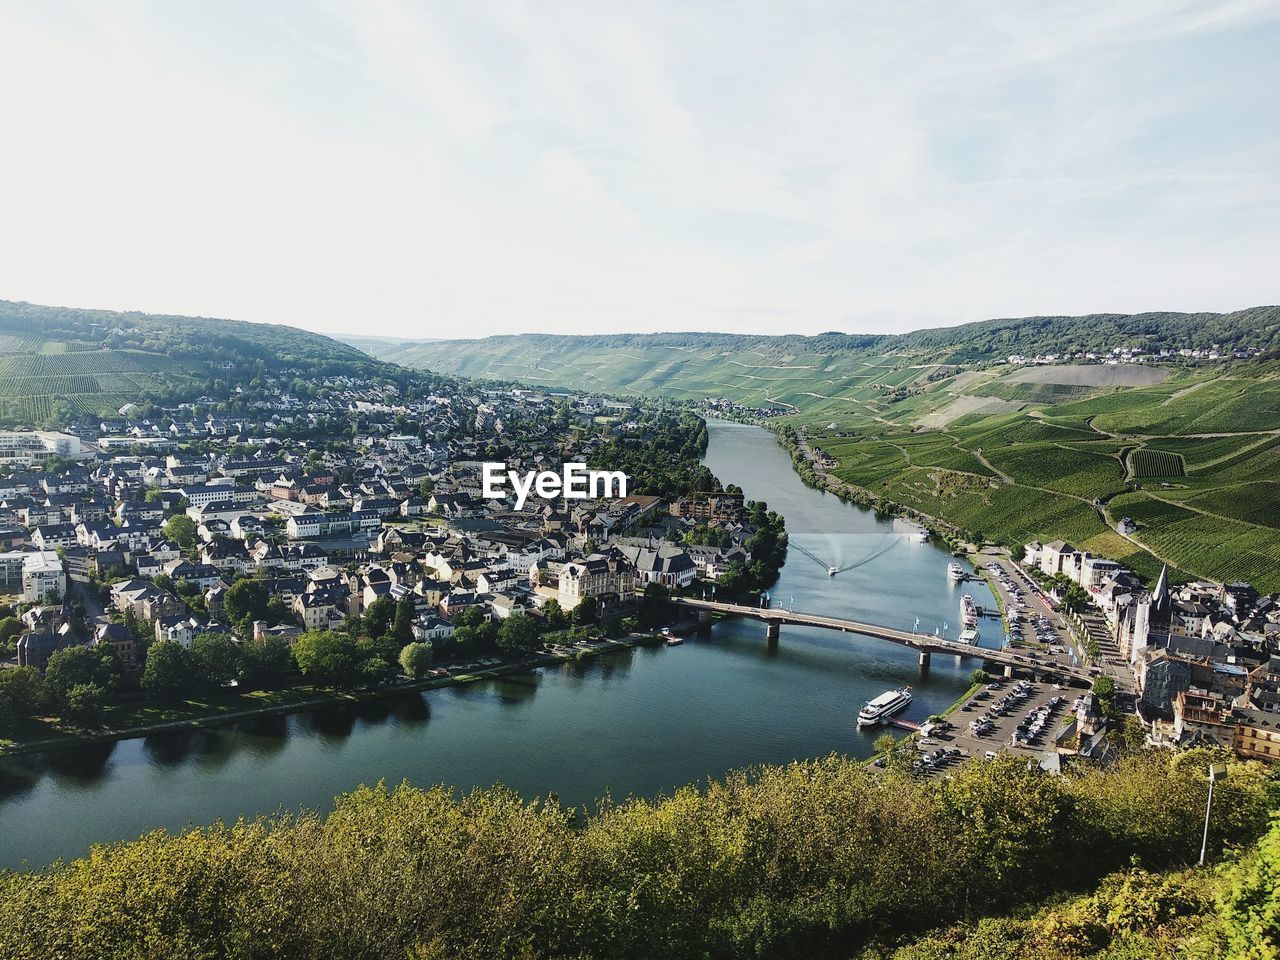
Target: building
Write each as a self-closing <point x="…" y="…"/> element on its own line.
<point x="28" y="447"/>
<point x="42" y="576"/>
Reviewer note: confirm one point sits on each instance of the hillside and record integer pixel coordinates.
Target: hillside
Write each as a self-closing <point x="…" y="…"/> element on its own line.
<point x="1189" y="451"/>
<point x="57" y="363"/>
<point x="816" y="859"/>
<point x="802" y="371"/>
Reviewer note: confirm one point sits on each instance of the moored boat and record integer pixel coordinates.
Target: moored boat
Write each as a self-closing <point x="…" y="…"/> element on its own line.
<point x="955" y="571"/>
<point x="883" y="707"/>
<point x="968" y="612"/>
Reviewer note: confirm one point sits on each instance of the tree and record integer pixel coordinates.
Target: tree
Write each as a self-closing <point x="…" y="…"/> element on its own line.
<point x="979" y="676"/>
<point x="265" y="665"/>
<point x="216" y="659"/>
<point x="1249" y="904"/>
<point x="10" y="627"/>
<point x="518" y="634"/>
<point x="554" y="615"/>
<point x="415" y="659"/>
<point x="378" y="616"/>
<point x="402" y="629"/>
<point x="885" y="743"/>
<point x="73" y="666"/>
<point x="170" y="669"/>
<point x="181" y="529"/>
<point x="21" y="693"/>
<point x="85" y="702"/>
<point x="278" y="612"/>
<point x="327" y="656"/>
<point x="585" y="612"/>
<point x="246" y="600"/>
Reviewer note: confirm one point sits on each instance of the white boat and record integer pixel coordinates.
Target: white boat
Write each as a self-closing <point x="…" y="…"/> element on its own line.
<point x="832" y="571"/>
<point x="968" y="612"/>
<point x="955" y="571"/>
<point x="674" y="641"/>
<point x="883" y="707"/>
<point x="922" y="535"/>
<point x="969" y="636"/>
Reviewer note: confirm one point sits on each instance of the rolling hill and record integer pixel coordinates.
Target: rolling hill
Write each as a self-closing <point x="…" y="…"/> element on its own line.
<point x="58" y="363"/>
<point x="932" y="420"/>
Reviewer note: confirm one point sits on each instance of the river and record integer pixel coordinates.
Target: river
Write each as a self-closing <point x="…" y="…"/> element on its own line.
<point x="637" y="722"/>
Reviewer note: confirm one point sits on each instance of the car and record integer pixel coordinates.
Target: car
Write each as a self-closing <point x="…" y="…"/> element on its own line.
<point x="990" y="754"/>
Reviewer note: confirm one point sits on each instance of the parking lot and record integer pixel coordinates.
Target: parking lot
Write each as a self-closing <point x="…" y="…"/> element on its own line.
<point x="1018" y="716"/>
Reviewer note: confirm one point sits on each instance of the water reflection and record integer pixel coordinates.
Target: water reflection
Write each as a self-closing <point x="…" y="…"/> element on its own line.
<point x="80" y="767"/>
<point x="333" y="725"/>
<point x="411" y="710"/>
<point x="169" y="749"/>
<point x="262" y="736"/>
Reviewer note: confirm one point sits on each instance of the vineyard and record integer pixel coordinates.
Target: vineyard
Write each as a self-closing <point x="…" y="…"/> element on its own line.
<point x="1204" y="544"/>
<point x="1155" y="463"/>
<point x="42" y="381"/>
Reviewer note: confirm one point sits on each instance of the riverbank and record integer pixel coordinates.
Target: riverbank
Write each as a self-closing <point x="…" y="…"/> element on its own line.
<point x="231" y="708"/>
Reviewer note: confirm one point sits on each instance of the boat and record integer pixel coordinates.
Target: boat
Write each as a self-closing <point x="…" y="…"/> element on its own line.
<point x="674" y="641"/>
<point x="968" y="635"/>
<point x="832" y="571"/>
<point x="883" y="707"/>
<point x="955" y="571"/>
<point x="922" y="535"/>
<point x="968" y="612"/>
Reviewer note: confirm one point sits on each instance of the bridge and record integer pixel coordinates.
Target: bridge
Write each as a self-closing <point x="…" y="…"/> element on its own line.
<point x="925" y="644"/>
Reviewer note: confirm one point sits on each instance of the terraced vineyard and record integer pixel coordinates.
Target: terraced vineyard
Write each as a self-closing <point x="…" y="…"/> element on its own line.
<point x="43" y="381"/>
<point x="1156" y="463"/>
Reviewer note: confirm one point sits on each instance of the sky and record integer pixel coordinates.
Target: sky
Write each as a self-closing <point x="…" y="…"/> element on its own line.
<point x="462" y="169"/>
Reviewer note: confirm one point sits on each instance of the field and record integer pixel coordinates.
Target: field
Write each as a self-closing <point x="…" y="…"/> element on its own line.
<point x="47" y="381"/>
<point x="1156" y="463"/>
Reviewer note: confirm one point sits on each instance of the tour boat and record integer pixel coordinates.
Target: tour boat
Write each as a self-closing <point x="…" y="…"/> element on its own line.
<point x="955" y="571"/>
<point x="883" y="707"/>
<point x="969" y="636"/>
<point x="968" y="611"/>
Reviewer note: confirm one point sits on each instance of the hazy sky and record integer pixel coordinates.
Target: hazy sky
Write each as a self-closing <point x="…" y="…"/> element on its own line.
<point x="443" y="169"/>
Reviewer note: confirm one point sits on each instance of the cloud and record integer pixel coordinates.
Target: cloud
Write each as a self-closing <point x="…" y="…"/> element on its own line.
<point x="581" y="167"/>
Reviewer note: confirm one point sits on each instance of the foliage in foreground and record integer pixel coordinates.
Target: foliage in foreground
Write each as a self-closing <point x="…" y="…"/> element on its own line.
<point x="1231" y="912"/>
<point x="813" y="859"/>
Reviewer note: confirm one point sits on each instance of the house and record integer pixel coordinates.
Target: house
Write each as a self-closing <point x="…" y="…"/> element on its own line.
<point x="663" y="563"/>
<point x="119" y="638"/>
<point x="321" y="609"/>
<point x="603" y="577"/>
<point x="51" y="536"/>
<point x="432" y="629"/>
<point x="1054" y="556"/>
<point x="43" y="576"/>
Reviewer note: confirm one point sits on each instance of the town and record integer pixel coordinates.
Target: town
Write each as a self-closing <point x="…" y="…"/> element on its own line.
<point x="350" y="540"/>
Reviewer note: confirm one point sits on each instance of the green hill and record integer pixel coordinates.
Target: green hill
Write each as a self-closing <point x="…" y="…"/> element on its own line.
<point x="58" y="363"/>
<point x="804" y="371"/>
<point x="935" y="421"/>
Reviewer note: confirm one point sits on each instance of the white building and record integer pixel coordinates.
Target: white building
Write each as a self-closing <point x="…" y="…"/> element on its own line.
<point x="42" y="576"/>
<point x="32" y="446"/>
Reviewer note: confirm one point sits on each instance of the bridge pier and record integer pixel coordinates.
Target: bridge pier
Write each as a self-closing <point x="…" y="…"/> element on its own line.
<point x="771" y="630"/>
<point x="704" y="621"/>
<point x="925" y="657"/>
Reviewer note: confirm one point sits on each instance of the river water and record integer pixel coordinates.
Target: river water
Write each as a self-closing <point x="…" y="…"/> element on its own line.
<point x="639" y="721"/>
